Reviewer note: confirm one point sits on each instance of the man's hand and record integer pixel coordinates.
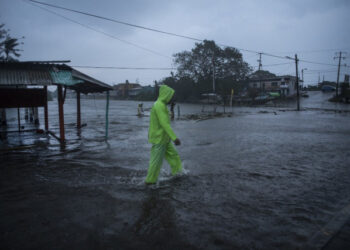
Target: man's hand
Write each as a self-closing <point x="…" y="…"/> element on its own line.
<point x="177" y="142"/>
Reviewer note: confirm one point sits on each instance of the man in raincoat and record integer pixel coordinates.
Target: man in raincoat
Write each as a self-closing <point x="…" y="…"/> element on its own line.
<point x="160" y="134"/>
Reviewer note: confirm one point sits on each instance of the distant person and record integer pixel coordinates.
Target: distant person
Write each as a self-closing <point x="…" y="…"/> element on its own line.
<point x="140" y="109"/>
<point x="160" y="134"/>
<point x="172" y="114"/>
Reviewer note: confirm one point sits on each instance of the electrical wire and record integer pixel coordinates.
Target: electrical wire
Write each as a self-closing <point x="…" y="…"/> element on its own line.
<point x="172" y="34"/>
<point x="328" y="64"/>
<point x="311" y="51"/>
<point x="122" y="68"/>
<point x="114" y="20"/>
<point x="276" y="64"/>
<point x="101" y="32"/>
<point x="151" y="29"/>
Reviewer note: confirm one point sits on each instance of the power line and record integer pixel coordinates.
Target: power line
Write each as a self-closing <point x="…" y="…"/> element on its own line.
<point x="276" y="64"/>
<point x="285" y="70"/>
<point x="100" y="31"/>
<point x="319" y="70"/>
<point x="328" y="64"/>
<point x="146" y="28"/>
<point x="311" y="51"/>
<point x="115" y="21"/>
<point x="170" y="33"/>
<point x="112" y="67"/>
<point x="323" y="72"/>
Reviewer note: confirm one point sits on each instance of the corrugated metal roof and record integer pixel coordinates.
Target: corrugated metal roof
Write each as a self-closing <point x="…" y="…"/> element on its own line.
<point x="36" y="73"/>
<point x="90" y="84"/>
<point x="12" y="77"/>
<point x="64" y="77"/>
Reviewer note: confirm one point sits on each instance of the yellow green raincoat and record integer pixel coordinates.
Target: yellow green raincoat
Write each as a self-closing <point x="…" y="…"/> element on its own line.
<point x="160" y="134"/>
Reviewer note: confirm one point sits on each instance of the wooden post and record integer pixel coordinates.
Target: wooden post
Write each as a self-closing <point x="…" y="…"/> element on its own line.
<point x="46" y="111"/>
<point x="26" y="113"/>
<point x="107" y="108"/>
<point x="297" y="82"/>
<point x="60" y="112"/>
<point x="78" y="110"/>
<point x="19" y="120"/>
<point x="336" y="89"/>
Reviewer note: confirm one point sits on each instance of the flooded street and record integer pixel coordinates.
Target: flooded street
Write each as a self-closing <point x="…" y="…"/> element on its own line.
<point x="266" y="178"/>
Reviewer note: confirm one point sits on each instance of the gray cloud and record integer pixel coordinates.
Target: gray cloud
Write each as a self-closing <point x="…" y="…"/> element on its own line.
<point x="282" y="27"/>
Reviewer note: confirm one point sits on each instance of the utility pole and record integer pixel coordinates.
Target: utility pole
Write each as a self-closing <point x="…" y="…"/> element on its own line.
<point x="259" y="61"/>
<point x="297" y="81"/>
<point x="338" y="57"/>
<point x="213" y="74"/>
<point x="302" y="75"/>
<point x="215" y="100"/>
<point x="260" y="65"/>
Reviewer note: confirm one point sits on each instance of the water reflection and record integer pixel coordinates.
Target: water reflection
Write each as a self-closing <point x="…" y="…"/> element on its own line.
<point x="157" y="226"/>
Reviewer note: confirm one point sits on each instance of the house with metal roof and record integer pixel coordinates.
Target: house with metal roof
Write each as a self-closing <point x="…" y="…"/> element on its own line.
<point x="284" y="85"/>
<point x="17" y="81"/>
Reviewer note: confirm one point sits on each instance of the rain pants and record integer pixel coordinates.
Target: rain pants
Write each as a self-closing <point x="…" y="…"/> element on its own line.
<point x="160" y="134"/>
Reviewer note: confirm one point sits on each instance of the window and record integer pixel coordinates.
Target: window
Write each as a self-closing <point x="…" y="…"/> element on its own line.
<point x="274" y="84"/>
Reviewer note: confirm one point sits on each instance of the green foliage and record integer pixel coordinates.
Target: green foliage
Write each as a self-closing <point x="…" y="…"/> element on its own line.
<point x="195" y="71"/>
<point x="8" y="45"/>
<point x="199" y="63"/>
<point x="146" y="96"/>
<point x="185" y="88"/>
<point x="262" y="74"/>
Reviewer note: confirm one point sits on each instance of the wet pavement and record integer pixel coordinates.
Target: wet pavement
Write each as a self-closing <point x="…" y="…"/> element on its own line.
<point x="265" y="178"/>
<point x="341" y="240"/>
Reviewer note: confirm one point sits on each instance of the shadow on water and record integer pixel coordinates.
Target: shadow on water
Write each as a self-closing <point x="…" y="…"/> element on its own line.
<point x="156" y="226"/>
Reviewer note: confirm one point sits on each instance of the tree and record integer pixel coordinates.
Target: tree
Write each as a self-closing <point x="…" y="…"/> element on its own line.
<point x="262" y="74"/>
<point x="3" y="34"/>
<point x="199" y="63"/>
<point x="8" y="45"/>
<point x="195" y="69"/>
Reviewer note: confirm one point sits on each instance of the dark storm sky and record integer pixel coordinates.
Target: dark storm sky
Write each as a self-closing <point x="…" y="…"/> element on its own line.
<point x="313" y="29"/>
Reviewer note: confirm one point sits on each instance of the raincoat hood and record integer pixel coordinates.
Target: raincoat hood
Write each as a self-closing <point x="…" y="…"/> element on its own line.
<point x="165" y="93"/>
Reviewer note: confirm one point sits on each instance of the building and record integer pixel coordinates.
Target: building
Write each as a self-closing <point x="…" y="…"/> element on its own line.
<point x="127" y="89"/>
<point x="284" y="85"/>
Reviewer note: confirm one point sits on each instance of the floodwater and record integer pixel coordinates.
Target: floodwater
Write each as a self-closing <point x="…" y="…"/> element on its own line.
<point x="266" y="178"/>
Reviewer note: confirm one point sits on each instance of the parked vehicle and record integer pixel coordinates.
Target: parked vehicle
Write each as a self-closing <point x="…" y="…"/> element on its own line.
<point x="304" y="94"/>
<point x="327" y="88"/>
<point x="210" y="98"/>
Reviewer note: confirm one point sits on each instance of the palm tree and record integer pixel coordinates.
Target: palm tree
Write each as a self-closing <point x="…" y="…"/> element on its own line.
<point x="3" y="34"/>
<point x="9" y="47"/>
